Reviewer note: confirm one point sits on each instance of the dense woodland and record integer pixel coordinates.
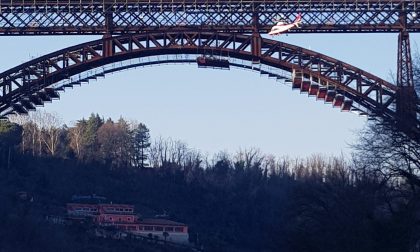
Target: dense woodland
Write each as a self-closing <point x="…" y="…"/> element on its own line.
<point x="245" y="201"/>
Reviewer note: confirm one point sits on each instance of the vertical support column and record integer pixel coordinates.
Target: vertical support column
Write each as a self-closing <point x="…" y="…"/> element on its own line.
<point x="256" y="39"/>
<point x="107" y="49"/>
<point x="406" y="95"/>
<point x="405" y="67"/>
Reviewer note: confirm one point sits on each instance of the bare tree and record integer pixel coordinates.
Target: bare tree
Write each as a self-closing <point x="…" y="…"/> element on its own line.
<point x="393" y="158"/>
<point x="22" y="120"/>
<point x="193" y="159"/>
<point x="174" y="152"/>
<point x="251" y="157"/>
<point x="159" y="152"/>
<point x="387" y="151"/>
<point x="416" y="71"/>
<point x="283" y="166"/>
<point x="76" y="134"/>
<point x="270" y="164"/>
<point x="37" y="121"/>
<point x="179" y="152"/>
<point x="50" y="124"/>
<point x="41" y="129"/>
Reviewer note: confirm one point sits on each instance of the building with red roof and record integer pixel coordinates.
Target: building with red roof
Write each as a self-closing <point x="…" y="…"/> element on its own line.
<point x="124" y="218"/>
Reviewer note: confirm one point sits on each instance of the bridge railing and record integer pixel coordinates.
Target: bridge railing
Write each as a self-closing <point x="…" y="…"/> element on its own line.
<point x="117" y="17"/>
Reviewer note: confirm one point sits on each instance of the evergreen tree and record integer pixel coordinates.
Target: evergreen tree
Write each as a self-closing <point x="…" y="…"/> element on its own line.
<point x="91" y="136"/>
<point x="10" y="136"/>
<point x="141" y="144"/>
<point x="115" y="143"/>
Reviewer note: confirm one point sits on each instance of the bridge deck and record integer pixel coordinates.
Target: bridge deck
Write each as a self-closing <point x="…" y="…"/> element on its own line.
<point x="23" y="17"/>
<point x="346" y="2"/>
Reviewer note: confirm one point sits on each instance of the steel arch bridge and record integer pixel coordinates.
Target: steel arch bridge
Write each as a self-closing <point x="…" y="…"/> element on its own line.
<point x="318" y="75"/>
<point x="141" y="29"/>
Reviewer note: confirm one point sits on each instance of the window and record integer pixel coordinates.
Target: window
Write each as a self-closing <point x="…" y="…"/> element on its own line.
<point x="140" y="228"/>
<point x="148" y="228"/>
<point x="169" y="229"/>
<point x="158" y="228"/>
<point x="179" y="229"/>
<point x="129" y="219"/>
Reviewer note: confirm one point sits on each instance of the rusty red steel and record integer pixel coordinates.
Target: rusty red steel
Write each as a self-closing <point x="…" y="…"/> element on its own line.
<point x="30" y="84"/>
<point x="22" y="17"/>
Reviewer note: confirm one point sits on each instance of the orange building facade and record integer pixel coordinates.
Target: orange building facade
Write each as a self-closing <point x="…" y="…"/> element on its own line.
<point x="124" y="218"/>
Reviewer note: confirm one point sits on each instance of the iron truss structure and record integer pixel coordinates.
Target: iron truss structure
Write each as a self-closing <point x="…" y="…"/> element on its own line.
<point x="141" y="28"/>
<point x="33" y="83"/>
<point x="51" y="17"/>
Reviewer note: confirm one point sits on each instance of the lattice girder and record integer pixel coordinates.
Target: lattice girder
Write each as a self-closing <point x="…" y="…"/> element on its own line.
<point x="118" y="17"/>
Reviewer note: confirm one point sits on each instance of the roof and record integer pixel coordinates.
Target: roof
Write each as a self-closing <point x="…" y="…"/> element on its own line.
<point x="160" y="222"/>
<point x="118" y="214"/>
<point x="90" y="199"/>
<point x="116" y="205"/>
<point x="82" y="205"/>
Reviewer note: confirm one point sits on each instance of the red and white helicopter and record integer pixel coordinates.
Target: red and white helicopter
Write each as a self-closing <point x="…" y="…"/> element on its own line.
<point x="282" y="26"/>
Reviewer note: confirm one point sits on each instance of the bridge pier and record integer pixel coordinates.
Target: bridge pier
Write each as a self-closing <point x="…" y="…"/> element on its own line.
<point x="406" y="97"/>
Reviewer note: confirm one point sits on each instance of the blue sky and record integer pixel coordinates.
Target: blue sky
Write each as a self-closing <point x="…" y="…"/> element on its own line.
<point x="214" y="110"/>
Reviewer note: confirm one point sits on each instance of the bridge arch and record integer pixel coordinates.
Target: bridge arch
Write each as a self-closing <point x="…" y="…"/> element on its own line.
<point x="24" y="87"/>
